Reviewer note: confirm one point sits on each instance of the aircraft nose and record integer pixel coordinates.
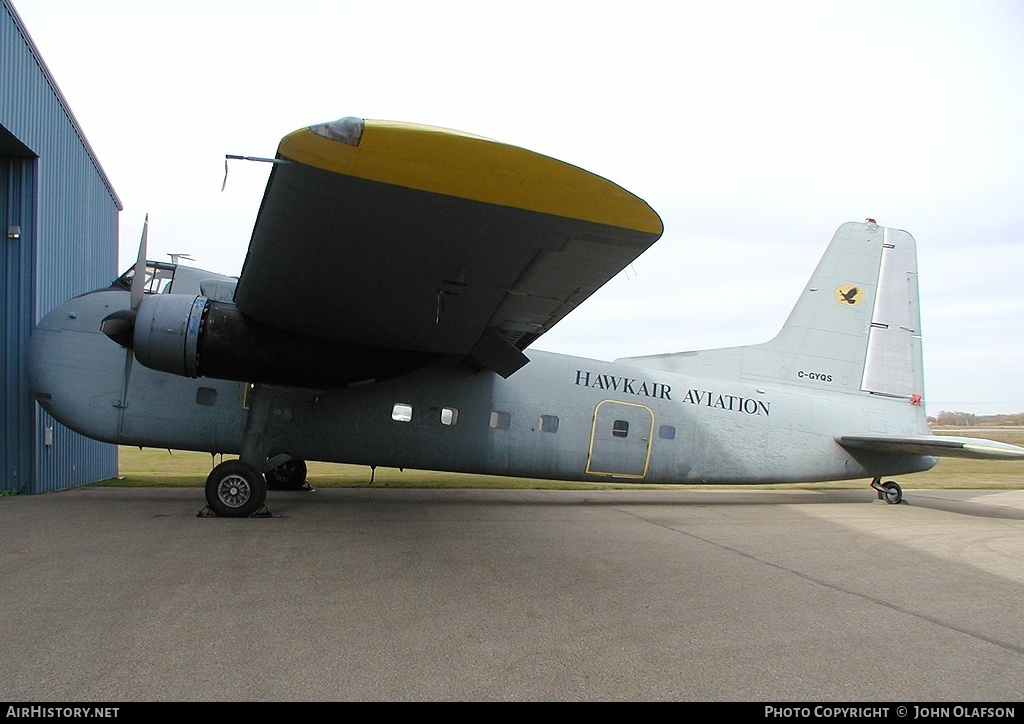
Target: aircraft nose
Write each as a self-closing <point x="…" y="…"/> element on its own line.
<point x="75" y="372"/>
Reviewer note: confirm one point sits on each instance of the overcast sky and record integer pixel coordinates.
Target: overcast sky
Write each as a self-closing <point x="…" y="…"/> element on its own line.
<point x="753" y="128"/>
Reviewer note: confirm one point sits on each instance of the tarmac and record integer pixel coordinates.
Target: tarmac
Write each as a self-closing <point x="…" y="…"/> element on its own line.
<point x="364" y="594"/>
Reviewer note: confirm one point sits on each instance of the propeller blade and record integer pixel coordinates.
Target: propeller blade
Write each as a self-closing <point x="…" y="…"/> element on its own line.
<point x="139" y="278"/>
<point x="120" y="325"/>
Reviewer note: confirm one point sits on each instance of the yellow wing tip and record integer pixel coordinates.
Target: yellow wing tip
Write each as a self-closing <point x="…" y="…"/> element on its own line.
<point x="454" y="163"/>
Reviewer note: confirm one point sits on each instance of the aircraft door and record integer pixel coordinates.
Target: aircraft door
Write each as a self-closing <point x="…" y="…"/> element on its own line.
<point x="620" y="439"/>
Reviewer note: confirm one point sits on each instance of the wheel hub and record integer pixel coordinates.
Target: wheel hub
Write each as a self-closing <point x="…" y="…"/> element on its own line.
<point x="234" y="491"/>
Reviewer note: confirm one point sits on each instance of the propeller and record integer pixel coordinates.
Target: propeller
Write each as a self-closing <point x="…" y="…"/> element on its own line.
<point x="120" y="325"/>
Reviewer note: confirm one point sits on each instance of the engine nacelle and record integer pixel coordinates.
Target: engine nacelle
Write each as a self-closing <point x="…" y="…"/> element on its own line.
<point x="166" y="334"/>
<point x="199" y="337"/>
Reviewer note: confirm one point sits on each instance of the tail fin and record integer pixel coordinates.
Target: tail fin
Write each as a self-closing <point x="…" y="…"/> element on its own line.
<point x="855" y="327"/>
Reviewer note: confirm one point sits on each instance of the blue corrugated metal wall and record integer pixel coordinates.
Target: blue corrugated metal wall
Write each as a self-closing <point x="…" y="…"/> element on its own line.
<point x="17" y="193"/>
<point x="57" y="193"/>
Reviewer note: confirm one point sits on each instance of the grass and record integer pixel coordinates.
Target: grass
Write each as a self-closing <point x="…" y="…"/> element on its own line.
<point x="176" y="468"/>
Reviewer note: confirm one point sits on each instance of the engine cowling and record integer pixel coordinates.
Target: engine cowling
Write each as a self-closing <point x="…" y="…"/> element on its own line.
<point x="166" y="334"/>
<point x="199" y="337"/>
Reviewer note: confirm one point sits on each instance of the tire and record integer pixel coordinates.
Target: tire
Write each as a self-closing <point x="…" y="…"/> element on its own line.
<point x="893" y="493"/>
<point x="235" y="490"/>
<point x="287" y="476"/>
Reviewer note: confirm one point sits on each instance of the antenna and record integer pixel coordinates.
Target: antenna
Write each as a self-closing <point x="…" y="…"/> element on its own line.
<point x="175" y="257"/>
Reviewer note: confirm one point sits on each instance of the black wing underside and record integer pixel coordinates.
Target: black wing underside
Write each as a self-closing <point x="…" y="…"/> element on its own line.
<point x="430" y="241"/>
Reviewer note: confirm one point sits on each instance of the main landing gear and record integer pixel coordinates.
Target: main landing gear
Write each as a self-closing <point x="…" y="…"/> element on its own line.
<point x="888" y="491"/>
<point x="238" y="488"/>
<point x="289" y="475"/>
<point x="235" y="490"/>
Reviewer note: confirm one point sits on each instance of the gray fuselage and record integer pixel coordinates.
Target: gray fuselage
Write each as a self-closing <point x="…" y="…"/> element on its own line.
<point x="559" y="417"/>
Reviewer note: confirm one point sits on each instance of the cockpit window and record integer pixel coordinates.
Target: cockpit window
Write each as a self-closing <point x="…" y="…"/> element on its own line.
<point x="158" y="278"/>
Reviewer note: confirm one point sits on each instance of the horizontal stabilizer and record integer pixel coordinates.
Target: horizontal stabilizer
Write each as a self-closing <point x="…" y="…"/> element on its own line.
<point x="936" y="445"/>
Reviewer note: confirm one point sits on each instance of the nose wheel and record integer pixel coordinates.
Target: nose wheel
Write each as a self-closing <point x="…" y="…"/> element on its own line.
<point x="889" y="491"/>
<point x="235" y="490"/>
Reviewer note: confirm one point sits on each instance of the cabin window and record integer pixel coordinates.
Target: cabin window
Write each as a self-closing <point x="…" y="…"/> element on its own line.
<point x="449" y="415"/>
<point x="401" y="412"/>
<point x="667" y="432"/>
<point x="500" y="420"/>
<point x="548" y="423"/>
<point x="159" y="278"/>
<point x="620" y="428"/>
<point x="206" y="396"/>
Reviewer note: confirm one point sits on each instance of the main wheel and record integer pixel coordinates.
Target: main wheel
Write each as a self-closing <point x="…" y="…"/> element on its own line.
<point x="287" y="476"/>
<point x="235" y="490"/>
<point x="893" y="492"/>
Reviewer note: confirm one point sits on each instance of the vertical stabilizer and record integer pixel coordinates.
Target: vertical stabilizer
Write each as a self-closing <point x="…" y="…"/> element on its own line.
<point x="855" y="327"/>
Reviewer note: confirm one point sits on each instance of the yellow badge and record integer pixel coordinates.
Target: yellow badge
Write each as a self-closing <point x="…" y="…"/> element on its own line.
<point x="849" y="294"/>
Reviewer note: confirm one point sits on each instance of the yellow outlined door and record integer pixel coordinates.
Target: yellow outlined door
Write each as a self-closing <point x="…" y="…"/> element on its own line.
<point x="620" y="439"/>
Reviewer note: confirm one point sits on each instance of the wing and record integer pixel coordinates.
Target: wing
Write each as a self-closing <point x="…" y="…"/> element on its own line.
<point x="935" y="445"/>
<point x="407" y="237"/>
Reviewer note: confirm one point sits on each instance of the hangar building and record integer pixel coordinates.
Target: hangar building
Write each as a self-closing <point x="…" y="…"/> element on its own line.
<point x="58" y="231"/>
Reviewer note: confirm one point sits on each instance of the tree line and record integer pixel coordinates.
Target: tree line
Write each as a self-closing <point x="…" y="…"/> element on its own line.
<point x="969" y="419"/>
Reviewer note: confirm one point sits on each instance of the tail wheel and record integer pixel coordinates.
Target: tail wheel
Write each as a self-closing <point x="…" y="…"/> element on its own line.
<point x="892" y="492"/>
<point x="287" y="476"/>
<point x="235" y="490"/>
